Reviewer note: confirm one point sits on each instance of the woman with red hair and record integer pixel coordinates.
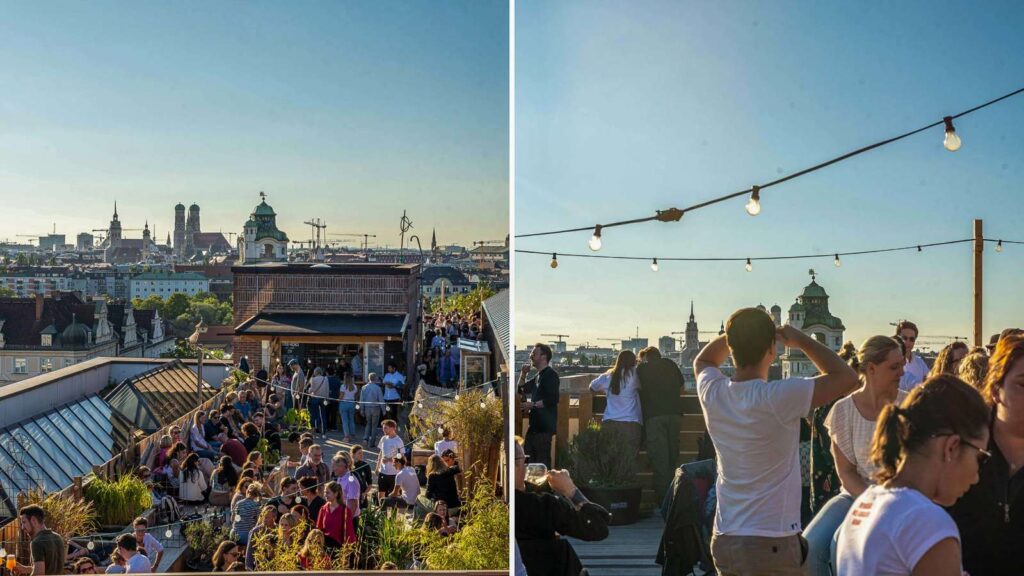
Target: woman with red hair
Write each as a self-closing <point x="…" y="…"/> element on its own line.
<point x="991" y="515"/>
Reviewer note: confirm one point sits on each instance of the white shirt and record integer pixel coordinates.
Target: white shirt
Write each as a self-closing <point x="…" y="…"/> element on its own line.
<point x="852" y="433"/>
<point x="151" y="545"/>
<point x="624" y="406"/>
<point x="755" y="426"/>
<point x="889" y="530"/>
<point x="914" y="372"/>
<point x="137" y="564"/>
<point x="409" y="483"/>
<point x="441" y="445"/>
<point x="389" y="448"/>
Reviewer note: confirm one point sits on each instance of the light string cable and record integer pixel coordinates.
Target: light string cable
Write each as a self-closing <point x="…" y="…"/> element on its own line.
<point x="675" y="214"/>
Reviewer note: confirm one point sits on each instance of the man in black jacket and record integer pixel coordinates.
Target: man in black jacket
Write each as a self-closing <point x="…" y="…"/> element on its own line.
<point x="660" y="384"/>
<point x="542" y="516"/>
<point x="542" y="404"/>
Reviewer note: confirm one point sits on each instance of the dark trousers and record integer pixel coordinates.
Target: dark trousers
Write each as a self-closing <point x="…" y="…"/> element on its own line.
<point x="537" y="446"/>
<point x="663" y="450"/>
<point x="385" y="484"/>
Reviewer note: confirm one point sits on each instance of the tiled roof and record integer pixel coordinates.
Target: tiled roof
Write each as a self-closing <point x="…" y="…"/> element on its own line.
<point x="20" y="327"/>
<point x="157" y="397"/>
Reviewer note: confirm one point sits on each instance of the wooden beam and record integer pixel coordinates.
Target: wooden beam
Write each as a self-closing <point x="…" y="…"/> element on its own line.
<point x="979" y="248"/>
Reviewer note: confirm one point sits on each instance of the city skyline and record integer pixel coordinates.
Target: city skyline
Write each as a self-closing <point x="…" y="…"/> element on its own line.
<point x="333" y="117"/>
<point x="681" y="104"/>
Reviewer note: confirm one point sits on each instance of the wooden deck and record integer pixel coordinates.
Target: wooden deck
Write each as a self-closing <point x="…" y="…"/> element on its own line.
<point x="628" y="550"/>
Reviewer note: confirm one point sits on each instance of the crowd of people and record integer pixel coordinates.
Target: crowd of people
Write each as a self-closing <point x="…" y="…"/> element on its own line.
<point x="221" y="460"/>
<point x="439" y="364"/>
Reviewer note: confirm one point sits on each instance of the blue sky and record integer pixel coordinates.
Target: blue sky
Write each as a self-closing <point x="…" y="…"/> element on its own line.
<point x="623" y="108"/>
<point x="347" y="111"/>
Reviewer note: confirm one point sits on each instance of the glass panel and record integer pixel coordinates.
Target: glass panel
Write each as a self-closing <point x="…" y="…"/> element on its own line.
<point x="100" y="418"/>
<point x="88" y="432"/>
<point x="16" y="480"/>
<point x="474" y="370"/>
<point x="27" y="470"/>
<point x="81" y="442"/>
<point x="46" y="454"/>
<point x="75" y="456"/>
<point x="375" y="359"/>
<point x="52" y="449"/>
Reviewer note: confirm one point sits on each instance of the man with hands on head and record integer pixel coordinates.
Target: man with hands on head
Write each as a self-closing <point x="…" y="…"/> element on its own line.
<point x="755" y="426"/>
<point x="542" y="404"/>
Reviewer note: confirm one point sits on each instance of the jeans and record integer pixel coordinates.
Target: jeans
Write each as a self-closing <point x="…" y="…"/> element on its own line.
<point x="347" y="411"/>
<point x="819" y="534"/>
<point x="663" y="450"/>
<point x="316" y="413"/>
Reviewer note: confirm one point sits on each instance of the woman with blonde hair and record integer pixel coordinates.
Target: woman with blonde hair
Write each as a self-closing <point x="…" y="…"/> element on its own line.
<point x="622" y="410"/>
<point x="313" y="555"/>
<point x="949" y="358"/>
<point x="974" y="367"/>
<point x="927" y="452"/>
<point x="991" y="515"/>
<point x="851" y="425"/>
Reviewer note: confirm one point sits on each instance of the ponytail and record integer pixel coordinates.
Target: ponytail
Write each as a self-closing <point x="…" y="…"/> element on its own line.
<point x="888" y="442"/>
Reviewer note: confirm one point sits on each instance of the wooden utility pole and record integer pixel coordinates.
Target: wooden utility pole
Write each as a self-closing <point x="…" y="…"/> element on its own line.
<point x="979" y="247"/>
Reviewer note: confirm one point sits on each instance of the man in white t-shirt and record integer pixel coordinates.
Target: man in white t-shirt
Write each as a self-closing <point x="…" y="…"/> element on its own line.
<point x="390" y="445"/>
<point x="755" y="426"/>
<point x="407" y="485"/>
<point x="154" y="550"/>
<point x="915" y="371"/>
<point x="134" y="563"/>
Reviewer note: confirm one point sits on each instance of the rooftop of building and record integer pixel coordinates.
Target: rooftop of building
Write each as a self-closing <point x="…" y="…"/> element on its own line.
<point x="340" y="269"/>
<point x="164" y="275"/>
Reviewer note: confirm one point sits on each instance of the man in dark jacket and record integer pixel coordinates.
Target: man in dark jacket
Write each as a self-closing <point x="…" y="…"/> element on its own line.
<point x="542" y="516"/>
<point x="660" y="384"/>
<point x="543" y="390"/>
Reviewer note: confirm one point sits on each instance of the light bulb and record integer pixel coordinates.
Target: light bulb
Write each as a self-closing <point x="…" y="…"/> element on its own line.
<point x="595" y="240"/>
<point x="357" y="406"/>
<point x="483" y="404"/>
<point x="838" y="262"/>
<point x="169" y="533"/>
<point x="238" y="517"/>
<point x="419" y="404"/>
<point x="298" y="499"/>
<point x="952" y="141"/>
<point x="754" y="204"/>
<point x="918" y="248"/>
<point x="554" y="260"/>
<point x="654" y="265"/>
<point x="749" y="266"/>
<point x="456" y="395"/>
<point x="999" y="246"/>
<point x="440" y="429"/>
<point x="91" y="545"/>
<point x="3" y="553"/>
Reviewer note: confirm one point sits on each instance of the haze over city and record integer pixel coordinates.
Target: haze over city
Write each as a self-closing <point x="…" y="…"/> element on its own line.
<point x="621" y="112"/>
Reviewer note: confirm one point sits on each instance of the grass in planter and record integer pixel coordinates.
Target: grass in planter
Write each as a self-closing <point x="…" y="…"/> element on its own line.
<point x="481" y="542"/>
<point x="596" y="458"/>
<point x="203" y="538"/>
<point x="64" y="514"/>
<point x="118" y="503"/>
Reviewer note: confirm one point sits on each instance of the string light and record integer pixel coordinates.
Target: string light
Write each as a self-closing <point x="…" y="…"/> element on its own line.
<point x="419" y="404"/>
<point x="357" y="406"/>
<point x="91" y="545"/>
<point x="951" y="141"/>
<point x="456" y="395"/>
<point x="483" y="404"/>
<point x="654" y="265"/>
<point x="999" y="246"/>
<point x="754" y="204"/>
<point x="595" y="240"/>
<point x="554" y="261"/>
<point x="440" y="429"/>
<point x="838" y="262"/>
<point x="918" y="248"/>
<point x="749" y="266"/>
<point x="169" y="533"/>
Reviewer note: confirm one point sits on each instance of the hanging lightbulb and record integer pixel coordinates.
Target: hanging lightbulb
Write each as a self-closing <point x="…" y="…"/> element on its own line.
<point x="440" y="429"/>
<point x="357" y="405"/>
<point x="238" y="517"/>
<point x="419" y="404"/>
<point x="918" y="248"/>
<point x="654" y="265"/>
<point x="554" y="260"/>
<point x="169" y="533"/>
<point x="838" y="262"/>
<point x="754" y="204"/>
<point x="456" y="395"/>
<point x="595" y="240"/>
<point x="999" y="246"/>
<point x="91" y="545"/>
<point x="3" y="553"/>
<point x="298" y="499"/>
<point x="952" y="141"/>
<point x="483" y="404"/>
<point x="749" y="266"/>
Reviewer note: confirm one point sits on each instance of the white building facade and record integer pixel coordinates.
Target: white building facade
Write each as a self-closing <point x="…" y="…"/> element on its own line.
<point x="811" y="315"/>
<point x="164" y="284"/>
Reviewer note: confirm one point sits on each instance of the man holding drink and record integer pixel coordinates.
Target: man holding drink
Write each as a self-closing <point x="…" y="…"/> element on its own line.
<point x="543" y="392"/>
<point x="48" y="548"/>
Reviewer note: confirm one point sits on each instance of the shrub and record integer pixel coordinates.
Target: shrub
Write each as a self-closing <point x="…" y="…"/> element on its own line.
<point x="118" y="503"/>
<point x="481" y="542"/>
<point x="203" y="538"/>
<point x="65" y="515"/>
<point x="596" y="458"/>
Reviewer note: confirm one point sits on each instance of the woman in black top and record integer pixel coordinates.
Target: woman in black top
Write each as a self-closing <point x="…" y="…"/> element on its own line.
<point x="252" y="436"/>
<point x="362" y="471"/>
<point x="441" y="482"/>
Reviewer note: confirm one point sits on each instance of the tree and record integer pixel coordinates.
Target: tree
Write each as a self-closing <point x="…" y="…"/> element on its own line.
<point x="464" y="304"/>
<point x="177" y="305"/>
<point x="7" y="292"/>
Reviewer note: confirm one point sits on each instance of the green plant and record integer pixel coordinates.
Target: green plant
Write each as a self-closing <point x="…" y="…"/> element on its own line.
<point x="426" y="431"/>
<point x="118" y="503"/>
<point x="270" y="457"/>
<point x="476" y="421"/>
<point x="65" y="515"/>
<point x="481" y="542"/>
<point x="596" y="458"/>
<point x="297" y="418"/>
<point x="203" y="538"/>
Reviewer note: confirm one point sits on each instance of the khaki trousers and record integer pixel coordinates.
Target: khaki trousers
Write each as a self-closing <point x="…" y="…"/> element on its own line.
<point x="758" y="555"/>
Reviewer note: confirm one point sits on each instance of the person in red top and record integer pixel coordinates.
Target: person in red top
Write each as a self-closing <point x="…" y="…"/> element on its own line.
<point x="236" y="450"/>
<point x="335" y="519"/>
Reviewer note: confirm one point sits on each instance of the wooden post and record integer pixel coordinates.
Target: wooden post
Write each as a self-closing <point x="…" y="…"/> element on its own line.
<point x="979" y="247"/>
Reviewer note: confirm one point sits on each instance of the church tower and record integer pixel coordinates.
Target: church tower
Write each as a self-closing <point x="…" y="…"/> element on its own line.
<point x="692" y="334"/>
<point x="114" y="232"/>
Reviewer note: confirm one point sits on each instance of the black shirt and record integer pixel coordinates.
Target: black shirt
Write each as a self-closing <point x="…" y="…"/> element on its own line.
<point x="314" y="507"/>
<point x="660" y="383"/>
<point x="544" y="387"/>
<point x="364" y="474"/>
<point x="442" y="486"/>
<point x="990" y="517"/>
<point x="540" y="516"/>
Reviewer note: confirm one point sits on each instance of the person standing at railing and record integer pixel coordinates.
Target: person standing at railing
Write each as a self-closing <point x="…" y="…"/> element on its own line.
<point x="915" y="370"/>
<point x="622" y="408"/>
<point x="661" y="381"/>
<point x="319" y="389"/>
<point x="298" y="384"/>
<point x="755" y="426"/>
<point x="543" y="390"/>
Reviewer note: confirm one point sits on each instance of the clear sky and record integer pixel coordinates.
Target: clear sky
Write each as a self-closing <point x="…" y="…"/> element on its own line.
<point x="347" y="111"/>
<point x="627" y="107"/>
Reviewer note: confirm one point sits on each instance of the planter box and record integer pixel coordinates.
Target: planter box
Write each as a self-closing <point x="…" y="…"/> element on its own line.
<point x="291" y="450"/>
<point x="623" y="503"/>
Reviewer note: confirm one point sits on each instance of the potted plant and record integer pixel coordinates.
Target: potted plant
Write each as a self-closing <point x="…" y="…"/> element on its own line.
<point x="605" y="472"/>
<point x="117" y="503"/>
<point x="203" y="539"/>
<point x="270" y="457"/>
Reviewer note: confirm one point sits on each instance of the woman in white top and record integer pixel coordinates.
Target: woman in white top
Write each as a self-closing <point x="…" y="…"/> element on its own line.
<point x="622" y="411"/>
<point x="851" y="424"/>
<point x="927" y="451"/>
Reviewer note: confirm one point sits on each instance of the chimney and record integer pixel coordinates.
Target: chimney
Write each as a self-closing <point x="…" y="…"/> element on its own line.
<point x="39" y="307"/>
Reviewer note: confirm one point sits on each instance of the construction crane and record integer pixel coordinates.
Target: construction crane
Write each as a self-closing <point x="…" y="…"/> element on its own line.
<point x="615" y="341"/>
<point x="316" y="228"/>
<point x="560" y="343"/>
<point x="365" y="237"/>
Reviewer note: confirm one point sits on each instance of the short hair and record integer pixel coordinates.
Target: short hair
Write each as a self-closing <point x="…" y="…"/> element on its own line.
<point x="389" y="423"/>
<point x="355" y="448"/>
<point x="308" y="483"/>
<point x="545" y="350"/>
<point x="82" y="561"/>
<point x="250" y="429"/>
<point x="288" y="481"/>
<point x="141" y="520"/>
<point x="128" y="542"/>
<point x="448" y="452"/>
<point x="33" y="511"/>
<point x="342" y="457"/>
<point x="306" y="443"/>
<point x="651" y="352"/>
<point x="750" y="333"/>
<point x="904" y="324"/>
